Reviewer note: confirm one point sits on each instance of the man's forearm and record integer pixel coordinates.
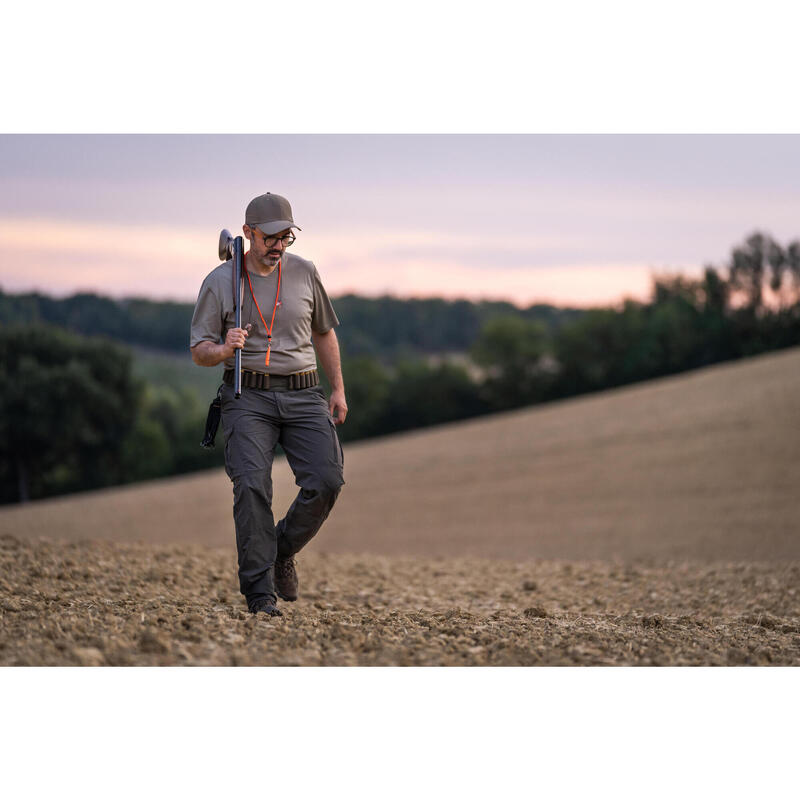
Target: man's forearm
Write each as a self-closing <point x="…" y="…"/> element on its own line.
<point x="327" y="347"/>
<point x="209" y="354"/>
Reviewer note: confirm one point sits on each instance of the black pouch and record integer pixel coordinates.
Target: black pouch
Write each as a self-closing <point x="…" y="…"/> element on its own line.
<point x="212" y="420"/>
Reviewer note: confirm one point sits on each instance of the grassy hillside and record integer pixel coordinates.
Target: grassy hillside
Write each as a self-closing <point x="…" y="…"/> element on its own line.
<point x="703" y="465"/>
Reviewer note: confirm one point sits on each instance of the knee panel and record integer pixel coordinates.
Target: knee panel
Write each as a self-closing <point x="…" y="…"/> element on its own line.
<point x="327" y="482"/>
<point x="253" y="482"/>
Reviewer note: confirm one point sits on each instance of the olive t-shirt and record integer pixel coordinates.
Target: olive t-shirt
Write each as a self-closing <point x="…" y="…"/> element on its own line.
<point x="304" y="307"/>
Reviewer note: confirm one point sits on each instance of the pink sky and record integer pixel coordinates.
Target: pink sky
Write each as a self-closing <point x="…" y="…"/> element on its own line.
<point x="576" y="220"/>
<point x="159" y="262"/>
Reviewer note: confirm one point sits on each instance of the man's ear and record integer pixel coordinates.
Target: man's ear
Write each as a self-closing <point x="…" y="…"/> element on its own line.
<point x="248" y="234"/>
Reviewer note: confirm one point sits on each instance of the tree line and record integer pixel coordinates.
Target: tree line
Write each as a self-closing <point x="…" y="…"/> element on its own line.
<point x="384" y="327"/>
<point x="74" y="417"/>
<point x="749" y="305"/>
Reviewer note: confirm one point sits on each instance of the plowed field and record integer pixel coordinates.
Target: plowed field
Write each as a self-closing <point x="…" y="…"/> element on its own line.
<point x="122" y="604"/>
<point x="654" y="524"/>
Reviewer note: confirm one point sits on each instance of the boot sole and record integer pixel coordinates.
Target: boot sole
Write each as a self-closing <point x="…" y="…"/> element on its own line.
<point x="275" y="613"/>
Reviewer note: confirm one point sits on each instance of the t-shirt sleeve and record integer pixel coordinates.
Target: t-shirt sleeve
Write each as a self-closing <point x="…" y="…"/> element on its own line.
<point x="323" y="317"/>
<point x="207" y="319"/>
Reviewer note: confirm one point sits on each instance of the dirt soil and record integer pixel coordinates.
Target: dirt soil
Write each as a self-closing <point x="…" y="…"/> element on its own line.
<point x="652" y="524"/>
<point x="102" y="603"/>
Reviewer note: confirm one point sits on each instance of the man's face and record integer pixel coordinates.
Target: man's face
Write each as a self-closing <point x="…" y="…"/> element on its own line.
<point x="267" y="250"/>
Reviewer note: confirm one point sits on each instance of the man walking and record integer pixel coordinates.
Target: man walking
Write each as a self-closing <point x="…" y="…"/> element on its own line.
<point x="286" y="315"/>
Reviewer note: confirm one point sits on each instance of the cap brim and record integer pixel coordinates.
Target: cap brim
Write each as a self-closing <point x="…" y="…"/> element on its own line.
<point x="271" y="228"/>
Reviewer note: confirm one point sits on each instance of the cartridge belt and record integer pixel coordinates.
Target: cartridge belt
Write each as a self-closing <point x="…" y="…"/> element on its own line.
<point x="264" y="380"/>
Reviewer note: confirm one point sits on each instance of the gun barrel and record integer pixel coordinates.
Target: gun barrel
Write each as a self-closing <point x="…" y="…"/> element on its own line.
<point x="238" y="250"/>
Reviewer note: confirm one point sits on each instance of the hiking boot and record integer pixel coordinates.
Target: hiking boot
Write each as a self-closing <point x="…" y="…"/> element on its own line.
<point x="265" y="607"/>
<point x="286" y="579"/>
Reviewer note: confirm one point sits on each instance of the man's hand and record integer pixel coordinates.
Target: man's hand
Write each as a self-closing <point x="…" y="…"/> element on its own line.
<point x="337" y="403"/>
<point x="209" y="354"/>
<point x="234" y="339"/>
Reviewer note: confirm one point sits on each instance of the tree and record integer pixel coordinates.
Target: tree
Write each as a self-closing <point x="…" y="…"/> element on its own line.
<point x="511" y="350"/>
<point x="715" y="292"/>
<point x="762" y="262"/>
<point x="367" y="384"/>
<point x="605" y="347"/>
<point x="420" y="395"/>
<point x="67" y="405"/>
<point x="748" y="267"/>
<point x="786" y="264"/>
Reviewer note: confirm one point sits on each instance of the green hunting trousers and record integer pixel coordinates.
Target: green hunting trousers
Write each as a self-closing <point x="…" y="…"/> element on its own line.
<point x="252" y="426"/>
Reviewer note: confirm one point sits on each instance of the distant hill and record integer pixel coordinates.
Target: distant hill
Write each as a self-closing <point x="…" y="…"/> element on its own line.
<point x="384" y="327"/>
<point x="702" y="466"/>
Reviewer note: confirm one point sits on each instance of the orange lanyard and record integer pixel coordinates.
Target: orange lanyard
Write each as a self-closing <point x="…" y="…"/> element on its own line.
<point x="274" y="308"/>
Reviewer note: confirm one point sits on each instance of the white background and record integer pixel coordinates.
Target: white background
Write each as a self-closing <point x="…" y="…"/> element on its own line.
<point x="416" y="67"/>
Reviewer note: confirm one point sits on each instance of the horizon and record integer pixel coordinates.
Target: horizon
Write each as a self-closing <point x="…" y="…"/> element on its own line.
<point x="65" y="295"/>
<point x="566" y="220"/>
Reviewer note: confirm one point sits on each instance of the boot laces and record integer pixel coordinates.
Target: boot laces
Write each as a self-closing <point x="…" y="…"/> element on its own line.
<point x="285" y="565"/>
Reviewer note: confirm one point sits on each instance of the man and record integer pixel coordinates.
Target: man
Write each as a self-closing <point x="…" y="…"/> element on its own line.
<point x="286" y="315"/>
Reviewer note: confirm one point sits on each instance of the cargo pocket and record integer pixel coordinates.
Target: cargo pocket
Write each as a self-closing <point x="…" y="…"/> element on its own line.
<point x="337" y="445"/>
<point x="228" y="434"/>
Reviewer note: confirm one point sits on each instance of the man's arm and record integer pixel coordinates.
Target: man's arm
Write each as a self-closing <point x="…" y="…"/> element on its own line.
<point x="327" y="347"/>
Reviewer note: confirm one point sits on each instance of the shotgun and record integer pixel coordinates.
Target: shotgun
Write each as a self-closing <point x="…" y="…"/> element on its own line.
<point x="234" y="248"/>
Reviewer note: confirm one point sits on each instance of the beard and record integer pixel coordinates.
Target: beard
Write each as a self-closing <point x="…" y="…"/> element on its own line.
<point x="268" y="260"/>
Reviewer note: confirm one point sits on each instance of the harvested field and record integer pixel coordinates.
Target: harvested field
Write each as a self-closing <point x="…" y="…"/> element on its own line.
<point x="100" y="603"/>
<point x="703" y="466"/>
<point x="654" y="524"/>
